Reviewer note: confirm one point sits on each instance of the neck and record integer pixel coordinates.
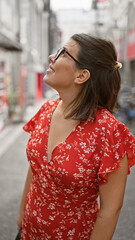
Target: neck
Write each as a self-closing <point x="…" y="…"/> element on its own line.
<point x="66" y="99"/>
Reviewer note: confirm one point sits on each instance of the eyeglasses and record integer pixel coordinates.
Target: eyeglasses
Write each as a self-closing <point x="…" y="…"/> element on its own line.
<point x="63" y="50"/>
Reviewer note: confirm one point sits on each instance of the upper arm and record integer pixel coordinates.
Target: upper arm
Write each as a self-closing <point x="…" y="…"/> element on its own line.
<point x="112" y="193"/>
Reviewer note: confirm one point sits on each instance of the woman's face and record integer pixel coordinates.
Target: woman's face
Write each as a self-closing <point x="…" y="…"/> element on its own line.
<point x="62" y="72"/>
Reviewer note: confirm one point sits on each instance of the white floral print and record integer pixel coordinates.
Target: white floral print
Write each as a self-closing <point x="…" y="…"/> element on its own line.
<point x="62" y="199"/>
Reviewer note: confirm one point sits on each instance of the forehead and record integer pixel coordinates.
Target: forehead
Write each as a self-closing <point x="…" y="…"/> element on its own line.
<point x="72" y="46"/>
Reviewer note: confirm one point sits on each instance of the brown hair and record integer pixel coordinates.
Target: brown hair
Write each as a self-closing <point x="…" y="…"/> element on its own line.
<point x="99" y="57"/>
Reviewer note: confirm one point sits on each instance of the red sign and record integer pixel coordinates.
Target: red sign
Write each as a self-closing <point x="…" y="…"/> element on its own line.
<point x="131" y="45"/>
<point x="39" y="92"/>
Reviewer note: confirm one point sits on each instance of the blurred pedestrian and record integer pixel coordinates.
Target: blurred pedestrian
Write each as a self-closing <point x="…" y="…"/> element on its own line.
<point x="78" y="150"/>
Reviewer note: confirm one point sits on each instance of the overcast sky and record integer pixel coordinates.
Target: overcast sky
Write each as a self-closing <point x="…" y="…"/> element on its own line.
<point x="70" y="4"/>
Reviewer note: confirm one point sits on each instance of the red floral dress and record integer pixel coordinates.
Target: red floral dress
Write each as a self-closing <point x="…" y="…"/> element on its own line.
<point x="62" y="199"/>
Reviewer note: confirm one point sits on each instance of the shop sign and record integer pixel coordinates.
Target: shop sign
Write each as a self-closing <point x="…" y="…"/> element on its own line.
<point x="40" y="87"/>
<point x="131" y="45"/>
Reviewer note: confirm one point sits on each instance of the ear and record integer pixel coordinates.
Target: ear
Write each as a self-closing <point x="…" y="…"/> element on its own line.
<point x="82" y="76"/>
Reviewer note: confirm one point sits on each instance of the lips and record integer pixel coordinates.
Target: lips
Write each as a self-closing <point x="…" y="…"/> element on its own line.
<point x="50" y="69"/>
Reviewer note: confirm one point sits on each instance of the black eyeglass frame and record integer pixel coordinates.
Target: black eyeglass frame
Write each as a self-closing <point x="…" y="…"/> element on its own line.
<point x="62" y="50"/>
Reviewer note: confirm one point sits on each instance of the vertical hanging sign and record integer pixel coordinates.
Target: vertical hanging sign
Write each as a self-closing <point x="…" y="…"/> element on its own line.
<point x="131" y="45"/>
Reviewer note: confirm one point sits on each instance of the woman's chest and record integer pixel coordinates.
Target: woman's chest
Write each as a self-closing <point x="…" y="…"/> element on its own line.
<point x="73" y="161"/>
<point x="59" y="130"/>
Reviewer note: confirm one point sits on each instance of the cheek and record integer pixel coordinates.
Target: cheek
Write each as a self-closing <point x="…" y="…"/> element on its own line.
<point x="63" y="76"/>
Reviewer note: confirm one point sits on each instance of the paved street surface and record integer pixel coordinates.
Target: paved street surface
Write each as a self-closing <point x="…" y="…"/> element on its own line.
<point x="13" y="169"/>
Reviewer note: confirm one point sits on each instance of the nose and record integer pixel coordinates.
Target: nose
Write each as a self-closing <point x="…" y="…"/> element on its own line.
<point x="52" y="58"/>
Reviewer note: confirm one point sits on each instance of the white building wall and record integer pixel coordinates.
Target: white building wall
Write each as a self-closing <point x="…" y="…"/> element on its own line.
<point x="34" y="37"/>
<point x="45" y="39"/>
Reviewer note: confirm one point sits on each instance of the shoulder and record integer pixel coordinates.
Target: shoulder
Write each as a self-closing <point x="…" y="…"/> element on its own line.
<point x="49" y="104"/>
<point x="106" y="123"/>
<point x="106" y="119"/>
<point x="104" y="116"/>
<point x="42" y="113"/>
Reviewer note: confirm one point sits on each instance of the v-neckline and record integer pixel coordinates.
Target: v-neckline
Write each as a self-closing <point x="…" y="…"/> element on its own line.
<point x="63" y="142"/>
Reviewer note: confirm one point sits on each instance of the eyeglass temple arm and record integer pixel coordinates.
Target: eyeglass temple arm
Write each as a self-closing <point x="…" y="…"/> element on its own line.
<point x="71" y="56"/>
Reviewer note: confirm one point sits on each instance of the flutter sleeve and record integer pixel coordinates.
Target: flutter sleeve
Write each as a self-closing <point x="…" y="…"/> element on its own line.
<point x="30" y="125"/>
<point x="118" y="143"/>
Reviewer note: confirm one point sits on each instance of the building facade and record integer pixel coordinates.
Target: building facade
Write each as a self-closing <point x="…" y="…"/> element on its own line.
<point x="10" y="49"/>
<point x="120" y="28"/>
<point x="38" y="28"/>
<point x="28" y="31"/>
<point x="35" y="41"/>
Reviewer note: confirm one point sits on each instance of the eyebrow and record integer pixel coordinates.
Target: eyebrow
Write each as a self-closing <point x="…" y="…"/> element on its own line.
<point x="65" y="48"/>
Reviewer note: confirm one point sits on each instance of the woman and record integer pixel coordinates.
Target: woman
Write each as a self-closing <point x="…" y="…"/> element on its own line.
<point x="77" y="150"/>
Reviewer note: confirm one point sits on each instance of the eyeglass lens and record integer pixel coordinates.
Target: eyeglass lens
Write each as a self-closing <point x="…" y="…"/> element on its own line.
<point x="59" y="52"/>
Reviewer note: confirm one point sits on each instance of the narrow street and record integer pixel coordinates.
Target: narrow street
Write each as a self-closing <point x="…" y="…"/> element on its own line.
<point x="33" y="35"/>
<point x="13" y="169"/>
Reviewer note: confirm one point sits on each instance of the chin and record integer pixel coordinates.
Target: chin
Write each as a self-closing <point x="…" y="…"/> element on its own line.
<point x="48" y="81"/>
<point x="44" y="78"/>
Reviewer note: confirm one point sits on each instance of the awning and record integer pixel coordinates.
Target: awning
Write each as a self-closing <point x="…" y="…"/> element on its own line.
<point x="9" y="44"/>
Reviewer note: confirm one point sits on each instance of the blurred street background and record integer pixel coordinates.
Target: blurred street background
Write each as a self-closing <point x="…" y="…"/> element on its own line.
<point x="30" y="30"/>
